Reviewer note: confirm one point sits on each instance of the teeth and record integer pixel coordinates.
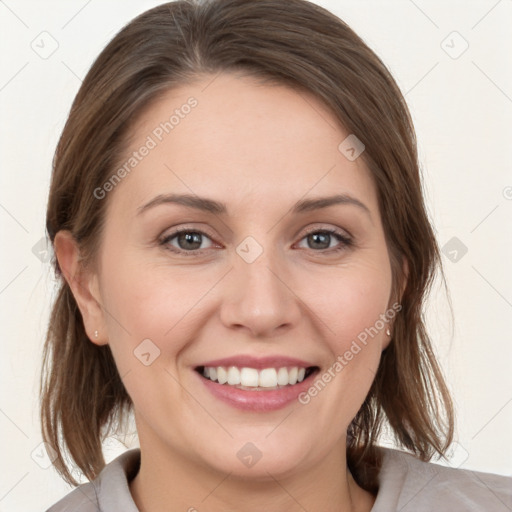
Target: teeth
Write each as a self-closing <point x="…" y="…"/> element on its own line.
<point x="249" y="377"/>
<point x="233" y="376"/>
<point x="252" y="378"/>
<point x="268" y="378"/>
<point x="282" y="377"/>
<point x="222" y="375"/>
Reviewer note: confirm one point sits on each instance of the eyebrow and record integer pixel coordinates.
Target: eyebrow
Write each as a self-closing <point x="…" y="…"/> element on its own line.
<point x="217" y="208"/>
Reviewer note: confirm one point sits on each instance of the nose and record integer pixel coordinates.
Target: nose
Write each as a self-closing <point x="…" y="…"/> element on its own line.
<point x="259" y="298"/>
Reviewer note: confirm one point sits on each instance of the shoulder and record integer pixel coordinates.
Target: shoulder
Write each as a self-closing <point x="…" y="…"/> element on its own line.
<point x="408" y="484"/>
<point x="108" y="492"/>
<point x="82" y="499"/>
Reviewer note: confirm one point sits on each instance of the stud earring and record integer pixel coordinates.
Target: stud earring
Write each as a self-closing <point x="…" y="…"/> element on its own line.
<point x="95" y="334"/>
<point x="388" y="332"/>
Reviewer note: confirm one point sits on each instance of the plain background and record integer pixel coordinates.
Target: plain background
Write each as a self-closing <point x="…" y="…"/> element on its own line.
<point x="452" y="63"/>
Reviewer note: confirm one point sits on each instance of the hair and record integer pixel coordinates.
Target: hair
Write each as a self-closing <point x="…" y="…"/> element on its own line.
<point x="288" y="42"/>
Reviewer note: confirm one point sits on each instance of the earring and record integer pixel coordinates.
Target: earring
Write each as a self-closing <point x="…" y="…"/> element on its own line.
<point x="388" y="332"/>
<point x="95" y="334"/>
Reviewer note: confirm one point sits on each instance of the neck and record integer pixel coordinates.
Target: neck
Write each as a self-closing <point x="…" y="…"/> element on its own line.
<point x="170" y="481"/>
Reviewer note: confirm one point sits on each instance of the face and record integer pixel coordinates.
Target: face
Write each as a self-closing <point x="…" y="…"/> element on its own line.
<point x="260" y="278"/>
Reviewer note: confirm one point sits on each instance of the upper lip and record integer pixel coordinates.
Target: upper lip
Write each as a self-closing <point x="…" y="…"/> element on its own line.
<point x="246" y="361"/>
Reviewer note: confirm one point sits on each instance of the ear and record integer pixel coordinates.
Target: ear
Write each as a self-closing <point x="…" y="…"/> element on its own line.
<point x="403" y="284"/>
<point x="83" y="285"/>
<point x="405" y="273"/>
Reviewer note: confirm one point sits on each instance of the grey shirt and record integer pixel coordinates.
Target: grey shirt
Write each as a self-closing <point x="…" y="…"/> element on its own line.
<point x="406" y="484"/>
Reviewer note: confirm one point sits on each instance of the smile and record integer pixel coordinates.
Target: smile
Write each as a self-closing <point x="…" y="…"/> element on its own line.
<point x="253" y="379"/>
<point x="256" y="386"/>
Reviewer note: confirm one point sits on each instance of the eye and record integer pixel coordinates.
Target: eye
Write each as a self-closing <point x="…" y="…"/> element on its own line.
<point x="186" y="241"/>
<point x="320" y="240"/>
<point x="189" y="242"/>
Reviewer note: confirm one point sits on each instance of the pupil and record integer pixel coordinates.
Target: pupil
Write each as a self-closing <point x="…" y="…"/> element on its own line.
<point x="322" y="239"/>
<point x="189" y="238"/>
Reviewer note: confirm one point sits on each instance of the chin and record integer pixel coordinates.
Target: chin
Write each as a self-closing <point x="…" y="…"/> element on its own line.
<point x="258" y="454"/>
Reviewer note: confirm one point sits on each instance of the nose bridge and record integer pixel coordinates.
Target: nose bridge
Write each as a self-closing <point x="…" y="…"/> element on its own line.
<point x="258" y="297"/>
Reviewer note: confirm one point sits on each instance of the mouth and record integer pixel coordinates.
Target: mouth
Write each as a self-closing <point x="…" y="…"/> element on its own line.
<point x="256" y="384"/>
<point x="257" y="379"/>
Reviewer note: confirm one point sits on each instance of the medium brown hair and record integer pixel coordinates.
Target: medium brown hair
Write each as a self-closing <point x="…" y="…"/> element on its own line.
<point x="290" y="42"/>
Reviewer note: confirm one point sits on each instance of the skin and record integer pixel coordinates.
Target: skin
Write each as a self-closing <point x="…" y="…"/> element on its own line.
<point x="259" y="149"/>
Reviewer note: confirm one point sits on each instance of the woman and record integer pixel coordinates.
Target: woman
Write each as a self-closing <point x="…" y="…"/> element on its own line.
<point x="244" y="252"/>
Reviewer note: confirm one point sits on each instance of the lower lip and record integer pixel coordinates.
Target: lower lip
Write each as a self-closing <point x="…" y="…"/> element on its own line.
<point x="257" y="401"/>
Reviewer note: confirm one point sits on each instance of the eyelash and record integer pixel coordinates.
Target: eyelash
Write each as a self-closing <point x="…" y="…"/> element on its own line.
<point x="346" y="241"/>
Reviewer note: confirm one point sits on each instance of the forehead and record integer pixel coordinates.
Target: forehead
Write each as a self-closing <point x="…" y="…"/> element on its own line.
<point x="249" y="144"/>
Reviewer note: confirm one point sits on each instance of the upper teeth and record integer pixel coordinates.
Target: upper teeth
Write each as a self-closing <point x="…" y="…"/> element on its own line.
<point x="250" y="377"/>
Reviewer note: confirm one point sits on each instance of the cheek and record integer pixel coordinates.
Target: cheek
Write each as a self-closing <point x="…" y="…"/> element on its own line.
<point x="353" y="309"/>
<point x="351" y="303"/>
<point x="150" y="320"/>
<point x="144" y="302"/>
<point x="359" y="328"/>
